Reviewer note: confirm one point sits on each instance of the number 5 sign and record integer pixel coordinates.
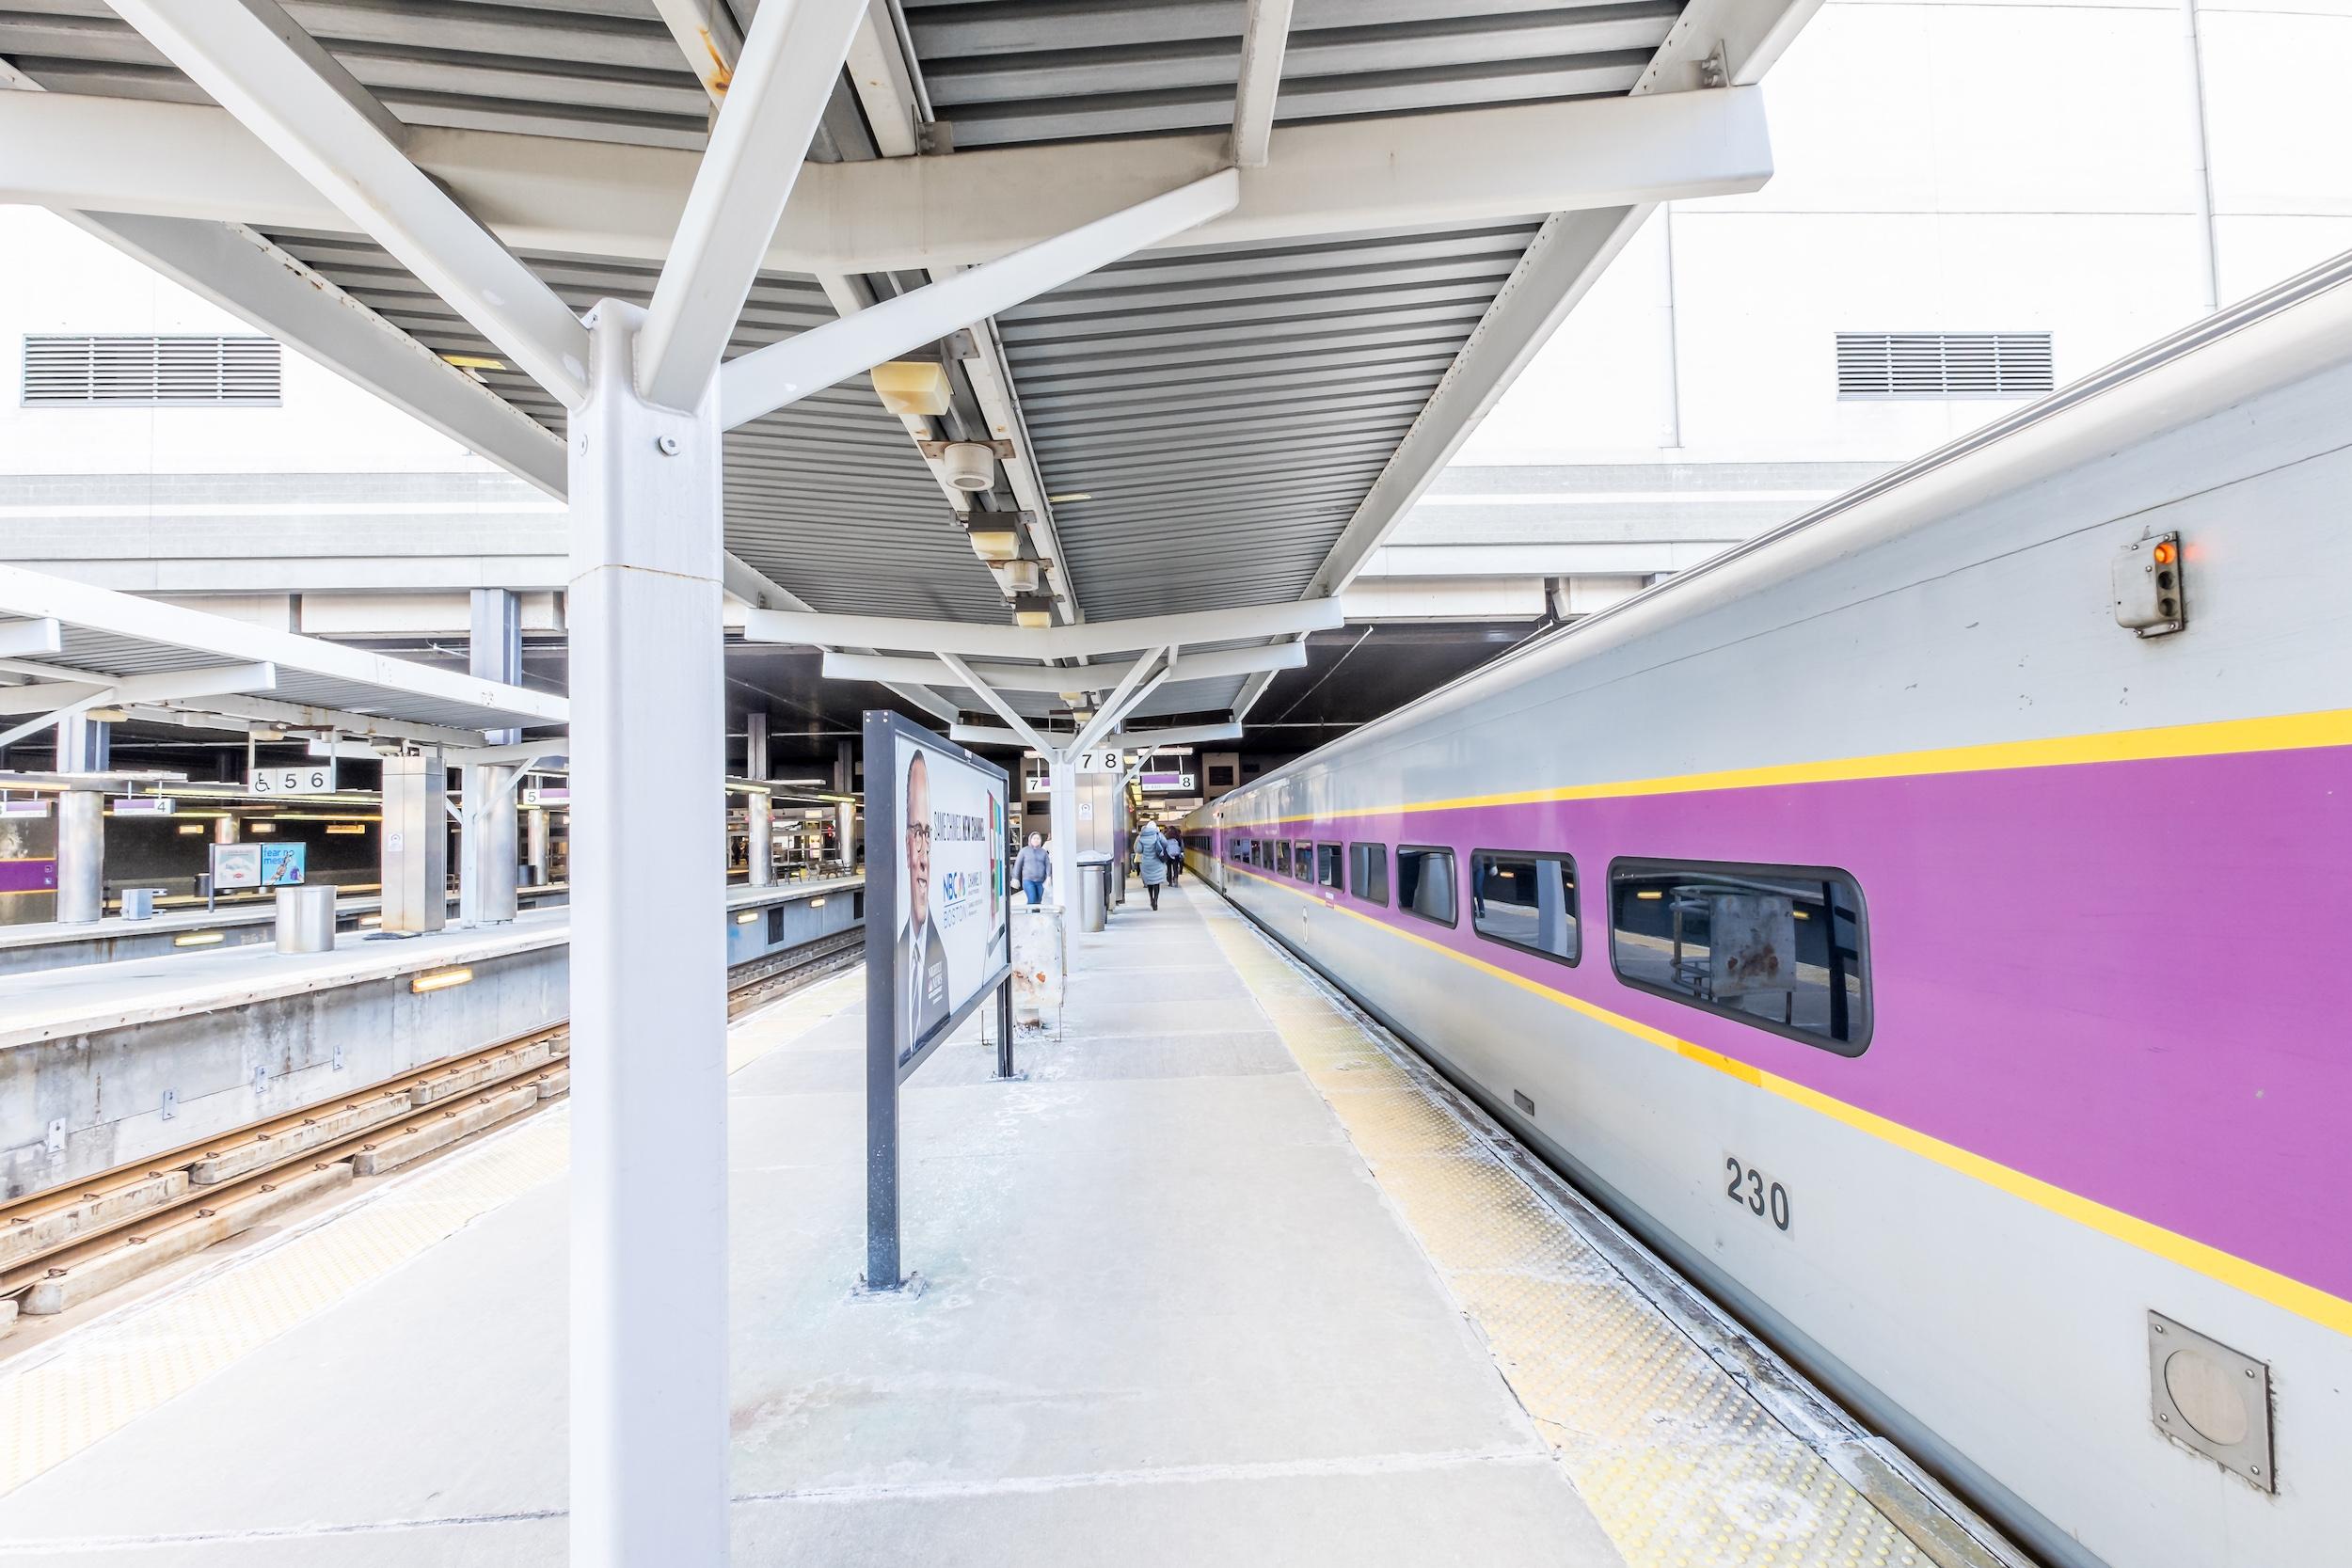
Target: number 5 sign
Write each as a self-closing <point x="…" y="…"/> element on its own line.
<point x="311" y="778"/>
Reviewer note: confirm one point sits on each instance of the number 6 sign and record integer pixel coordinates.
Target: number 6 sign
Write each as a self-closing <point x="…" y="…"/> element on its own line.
<point x="311" y="778"/>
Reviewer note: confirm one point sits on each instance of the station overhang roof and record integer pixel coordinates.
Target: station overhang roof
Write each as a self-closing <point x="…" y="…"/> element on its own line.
<point x="68" y="649"/>
<point x="1221" y="284"/>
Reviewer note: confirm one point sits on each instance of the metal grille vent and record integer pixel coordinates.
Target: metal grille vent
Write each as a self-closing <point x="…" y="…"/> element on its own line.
<point x="1943" y="364"/>
<point x="124" y="371"/>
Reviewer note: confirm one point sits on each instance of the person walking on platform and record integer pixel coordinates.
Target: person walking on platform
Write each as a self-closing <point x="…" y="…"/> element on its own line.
<point x="1032" y="867"/>
<point x="1172" y="845"/>
<point x="1152" y="861"/>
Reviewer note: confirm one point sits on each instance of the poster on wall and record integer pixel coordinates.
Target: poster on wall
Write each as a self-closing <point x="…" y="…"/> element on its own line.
<point x="236" y="865"/>
<point x="937" y="939"/>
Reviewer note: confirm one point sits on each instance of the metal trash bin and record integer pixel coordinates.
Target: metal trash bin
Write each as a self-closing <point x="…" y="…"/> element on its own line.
<point x="306" y="919"/>
<point x="138" y="903"/>
<point x="1094" y="887"/>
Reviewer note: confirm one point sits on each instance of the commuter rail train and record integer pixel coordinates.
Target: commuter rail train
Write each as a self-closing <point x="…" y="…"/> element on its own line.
<point x="1929" y="926"/>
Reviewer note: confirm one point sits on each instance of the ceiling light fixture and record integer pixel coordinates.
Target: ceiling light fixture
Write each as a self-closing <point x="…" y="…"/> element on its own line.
<point x="918" y="386"/>
<point x="995" y="535"/>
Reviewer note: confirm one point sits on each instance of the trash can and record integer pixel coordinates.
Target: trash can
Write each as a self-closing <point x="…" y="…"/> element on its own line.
<point x="138" y="903"/>
<point x="1094" y="887"/>
<point x="306" y="919"/>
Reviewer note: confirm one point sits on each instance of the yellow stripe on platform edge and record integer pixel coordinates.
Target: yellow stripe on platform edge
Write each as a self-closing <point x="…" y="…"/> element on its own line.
<point x="1680" y="1465"/>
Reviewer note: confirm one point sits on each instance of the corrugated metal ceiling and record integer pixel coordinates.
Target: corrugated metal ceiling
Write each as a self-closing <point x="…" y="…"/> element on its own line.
<point x="1227" y="410"/>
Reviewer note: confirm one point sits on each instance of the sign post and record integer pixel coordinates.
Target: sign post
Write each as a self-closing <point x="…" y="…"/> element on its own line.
<point x="937" y="935"/>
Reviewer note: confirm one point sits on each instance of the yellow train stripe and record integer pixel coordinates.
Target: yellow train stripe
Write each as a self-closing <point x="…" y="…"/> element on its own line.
<point x="2283" y="1290"/>
<point x="2294" y="731"/>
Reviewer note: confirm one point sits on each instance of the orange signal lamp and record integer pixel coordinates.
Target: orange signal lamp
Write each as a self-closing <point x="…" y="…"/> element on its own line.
<point x="2167" y="553"/>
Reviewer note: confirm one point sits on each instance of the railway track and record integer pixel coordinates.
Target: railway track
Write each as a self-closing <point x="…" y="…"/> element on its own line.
<point x="66" y="1246"/>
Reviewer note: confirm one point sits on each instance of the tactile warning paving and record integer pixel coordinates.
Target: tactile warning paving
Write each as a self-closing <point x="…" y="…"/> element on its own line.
<point x="1682" y="1465"/>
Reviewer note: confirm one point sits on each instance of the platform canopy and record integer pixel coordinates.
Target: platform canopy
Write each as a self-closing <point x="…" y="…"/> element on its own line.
<point x="68" y="649"/>
<point x="1222" y="283"/>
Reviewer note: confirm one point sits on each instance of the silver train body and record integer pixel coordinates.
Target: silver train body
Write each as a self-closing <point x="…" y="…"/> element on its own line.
<point x="2091" y="1104"/>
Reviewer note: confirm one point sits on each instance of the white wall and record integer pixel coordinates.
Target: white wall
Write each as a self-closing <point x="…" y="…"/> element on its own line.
<point x="55" y="279"/>
<point x="1950" y="165"/>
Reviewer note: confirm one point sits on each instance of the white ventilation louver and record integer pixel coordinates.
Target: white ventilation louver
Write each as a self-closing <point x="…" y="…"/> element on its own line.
<point x="1943" y="364"/>
<point x="124" y="371"/>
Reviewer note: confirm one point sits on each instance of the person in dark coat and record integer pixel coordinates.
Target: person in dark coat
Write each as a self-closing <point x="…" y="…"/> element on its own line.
<point x="1172" y="845"/>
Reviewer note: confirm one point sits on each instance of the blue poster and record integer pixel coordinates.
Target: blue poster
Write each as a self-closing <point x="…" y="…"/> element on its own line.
<point x="282" y="864"/>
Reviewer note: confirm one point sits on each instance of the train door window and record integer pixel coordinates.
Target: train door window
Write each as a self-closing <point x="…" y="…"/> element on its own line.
<point x="1303" y="860"/>
<point x="1327" y="864"/>
<point x="1368" y="872"/>
<point x="1424" y="884"/>
<point x="1784" y="947"/>
<point x="1526" y="900"/>
<point x="1281" y="857"/>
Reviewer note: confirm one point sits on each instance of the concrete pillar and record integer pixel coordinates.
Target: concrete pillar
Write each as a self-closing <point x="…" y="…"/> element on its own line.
<point x="760" y="810"/>
<point x="649" y="1412"/>
<point x="844" y="813"/>
<point x="485" y="841"/>
<point x="82" y="747"/>
<point x="540" y="824"/>
<point x="225" y="828"/>
<point x="81" y="856"/>
<point x="415" y="835"/>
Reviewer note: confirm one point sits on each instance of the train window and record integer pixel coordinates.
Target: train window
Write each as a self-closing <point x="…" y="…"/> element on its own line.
<point x="1424" y="884"/>
<point x="1368" y="871"/>
<point x="1327" y="864"/>
<point x="1303" y="860"/>
<point x="1282" y="857"/>
<point x="1784" y="947"/>
<point x="1526" y="900"/>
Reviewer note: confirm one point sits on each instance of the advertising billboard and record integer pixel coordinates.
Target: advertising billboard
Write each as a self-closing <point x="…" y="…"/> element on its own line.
<point x="937" y="940"/>
<point x="950" y="919"/>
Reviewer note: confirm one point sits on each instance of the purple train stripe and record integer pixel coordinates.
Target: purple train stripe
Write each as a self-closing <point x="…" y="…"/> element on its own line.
<point x="2105" y="976"/>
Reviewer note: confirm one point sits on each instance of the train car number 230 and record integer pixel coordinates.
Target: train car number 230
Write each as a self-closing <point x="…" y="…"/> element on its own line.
<point x="1755" y="1192"/>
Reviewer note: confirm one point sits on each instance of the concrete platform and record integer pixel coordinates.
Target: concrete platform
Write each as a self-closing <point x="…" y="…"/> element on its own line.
<point x="1184" y="1303"/>
<point x="53" y="944"/>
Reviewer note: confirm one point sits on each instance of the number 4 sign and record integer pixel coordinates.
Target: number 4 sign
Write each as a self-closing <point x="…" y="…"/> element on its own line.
<point x="310" y="778"/>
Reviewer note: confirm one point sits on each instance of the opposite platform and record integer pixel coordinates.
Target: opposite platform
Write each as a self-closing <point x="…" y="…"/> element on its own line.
<point x="1177" y="1310"/>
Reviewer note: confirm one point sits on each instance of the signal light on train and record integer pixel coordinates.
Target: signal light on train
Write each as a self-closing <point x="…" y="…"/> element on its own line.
<point x="2167" y="552"/>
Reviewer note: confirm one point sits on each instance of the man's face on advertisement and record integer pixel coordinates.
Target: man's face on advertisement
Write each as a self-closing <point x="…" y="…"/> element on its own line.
<point x="919" y="817"/>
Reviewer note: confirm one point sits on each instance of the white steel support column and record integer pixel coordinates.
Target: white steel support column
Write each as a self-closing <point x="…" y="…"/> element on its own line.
<point x="486" y="839"/>
<point x="1061" y="798"/>
<point x="759" y="808"/>
<point x="648" y="754"/>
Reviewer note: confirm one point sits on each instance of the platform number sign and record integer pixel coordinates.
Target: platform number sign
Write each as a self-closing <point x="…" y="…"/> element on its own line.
<point x="1755" y="1192"/>
<point x="310" y="778"/>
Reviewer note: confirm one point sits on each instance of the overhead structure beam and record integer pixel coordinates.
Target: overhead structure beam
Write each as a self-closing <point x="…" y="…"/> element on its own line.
<point x="1263" y="40"/>
<point x="1455" y="167"/>
<point x="86" y="692"/>
<point x="1221" y="664"/>
<point x="708" y="37"/>
<point x="770" y="378"/>
<point x="988" y="694"/>
<point x="786" y="71"/>
<point x="32" y="639"/>
<point x="1085" y="639"/>
<point x="252" y="59"/>
<point x="1123" y="698"/>
<point x="1180" y="735"/>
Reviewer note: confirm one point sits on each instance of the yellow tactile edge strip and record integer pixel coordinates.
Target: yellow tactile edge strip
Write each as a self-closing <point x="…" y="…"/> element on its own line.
<point x="1682" y="1466"/>
<point x="100" y="1378"/>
